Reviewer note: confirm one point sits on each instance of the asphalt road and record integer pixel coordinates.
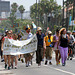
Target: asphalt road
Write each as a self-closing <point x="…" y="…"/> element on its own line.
<point x="69" y="69"/>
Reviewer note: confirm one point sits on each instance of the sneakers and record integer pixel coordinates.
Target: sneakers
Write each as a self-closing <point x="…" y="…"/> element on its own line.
<point x="26" y="65"/>
<point x="15" y="67"/>
<point x="71" y="58"/>
<point x="63" y="64"/>
<point x="46" y="62"/>
<point x="50" y="63"/>
<point x="59" y="63"/>
<point x="22" y="60"/>
<point x="5" y="66"/>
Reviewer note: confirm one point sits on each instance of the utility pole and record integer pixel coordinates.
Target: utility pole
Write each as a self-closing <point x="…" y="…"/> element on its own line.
<point x="67" y="15"/>
<point x="63" y="13"/>
<point x="36" y="14"/>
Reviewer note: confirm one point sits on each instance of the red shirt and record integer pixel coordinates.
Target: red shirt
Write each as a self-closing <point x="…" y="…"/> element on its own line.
<point x="7" y="37"/>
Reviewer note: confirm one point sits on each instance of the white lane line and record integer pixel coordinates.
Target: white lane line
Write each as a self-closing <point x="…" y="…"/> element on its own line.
<point x="58" y="69"/>
<point x="63" y="71"/>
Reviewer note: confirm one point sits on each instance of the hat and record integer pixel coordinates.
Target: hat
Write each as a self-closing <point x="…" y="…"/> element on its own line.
<point x="49" y="32"/>
<point x="6" y="31"/>
<point x="68" y="31"/>
<point x="39" y="28"/>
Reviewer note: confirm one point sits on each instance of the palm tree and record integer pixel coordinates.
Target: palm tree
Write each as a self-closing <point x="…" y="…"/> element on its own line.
<point x="21" y="9"/>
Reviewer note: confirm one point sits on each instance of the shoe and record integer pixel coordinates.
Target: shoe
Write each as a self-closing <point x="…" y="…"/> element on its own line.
<point x="19" y="59"/>
<point x="2" y="60"/>
<point x="5" y="66"/>
<point x="50" y="63"/>
<point x="22" y="60"/>
<point x="8" y="68"/>
<point x="15" y="67"/>
<point x="70" y="58"/>
<point x="46" y="62"/>
<point x="26" y="65"/>
<point x="67" y="58"/>
<point x="59" y="63"/>
<point x="63" y="64"/>
<point x="38" y="65"/>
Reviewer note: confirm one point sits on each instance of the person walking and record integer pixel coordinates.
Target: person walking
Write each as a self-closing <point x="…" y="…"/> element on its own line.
<point x="7" y="56"/>
<point x="28" y="56"/>
<point x="48" y="47"/>
<point x="39" y="52"/>
<point x="14" y="56"/>
<point x="63" y="43"/>
<point x="57" y="52"/>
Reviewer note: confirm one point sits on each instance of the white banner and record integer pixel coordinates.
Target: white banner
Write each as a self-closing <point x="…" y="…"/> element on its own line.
<point x="16" y="47"/>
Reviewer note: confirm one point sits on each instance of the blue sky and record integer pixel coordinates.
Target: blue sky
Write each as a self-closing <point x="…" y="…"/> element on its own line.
<point x="28" y="3"/>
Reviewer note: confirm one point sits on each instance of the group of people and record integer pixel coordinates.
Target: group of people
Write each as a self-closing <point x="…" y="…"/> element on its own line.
<point x="60" y="43"/>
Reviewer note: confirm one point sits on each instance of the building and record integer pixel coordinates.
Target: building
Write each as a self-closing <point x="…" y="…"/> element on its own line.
<point x="26" y="15"/>
<point x="4" y="9"/>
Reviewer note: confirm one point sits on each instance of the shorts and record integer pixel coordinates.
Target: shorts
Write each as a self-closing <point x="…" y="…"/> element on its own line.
<point x="49" y="51"/>
<point x="27" y="55"/>
<point x="55" y="48"/>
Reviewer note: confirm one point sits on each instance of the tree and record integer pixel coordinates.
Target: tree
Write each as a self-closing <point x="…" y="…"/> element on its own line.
<point x="45" y="7"/>
<point x="12" y="17"/>
<point x="21" y="9"/>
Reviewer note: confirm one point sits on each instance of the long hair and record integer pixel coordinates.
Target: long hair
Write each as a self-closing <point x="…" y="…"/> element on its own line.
<point x="61" y="31"/>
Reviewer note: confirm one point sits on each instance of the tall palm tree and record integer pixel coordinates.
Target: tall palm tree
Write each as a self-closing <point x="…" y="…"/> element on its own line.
<point x="21" y="9"/>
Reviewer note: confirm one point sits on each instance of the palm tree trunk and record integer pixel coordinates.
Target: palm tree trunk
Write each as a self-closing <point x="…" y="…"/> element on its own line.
<point x="21" y="16"/>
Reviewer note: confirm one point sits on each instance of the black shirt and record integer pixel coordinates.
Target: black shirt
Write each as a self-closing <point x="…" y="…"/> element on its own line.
<point x="64" y="42"/>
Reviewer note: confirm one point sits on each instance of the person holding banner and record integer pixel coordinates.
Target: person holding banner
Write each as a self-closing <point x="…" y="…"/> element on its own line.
<point x="28" y="56"/>
<point x="39" y="52"/>
<point x="12" y="56"/>
<point x="6" y="56"/>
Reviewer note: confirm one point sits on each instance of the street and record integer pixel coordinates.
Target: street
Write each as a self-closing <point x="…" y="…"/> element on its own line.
<point x="69" y="69"/>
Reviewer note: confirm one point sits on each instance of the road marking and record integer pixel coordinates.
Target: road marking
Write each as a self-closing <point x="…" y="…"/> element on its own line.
<point x="63" y="71"/>
<point x="5" y="72"/>
<point x="59" y="70"/>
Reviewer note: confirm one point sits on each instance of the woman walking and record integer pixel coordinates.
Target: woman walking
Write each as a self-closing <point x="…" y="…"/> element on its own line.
<point x="57" y="52"/>
<point x="63" y="41"/>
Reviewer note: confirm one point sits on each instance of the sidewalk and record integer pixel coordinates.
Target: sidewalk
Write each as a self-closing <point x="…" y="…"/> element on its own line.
<point x="4" y="71"/>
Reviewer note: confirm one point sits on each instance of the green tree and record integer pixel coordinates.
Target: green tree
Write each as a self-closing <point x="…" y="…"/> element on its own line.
<point x="45" y="7"/>
<point x="21" y="9"/>
<point x="12" y="17"/>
